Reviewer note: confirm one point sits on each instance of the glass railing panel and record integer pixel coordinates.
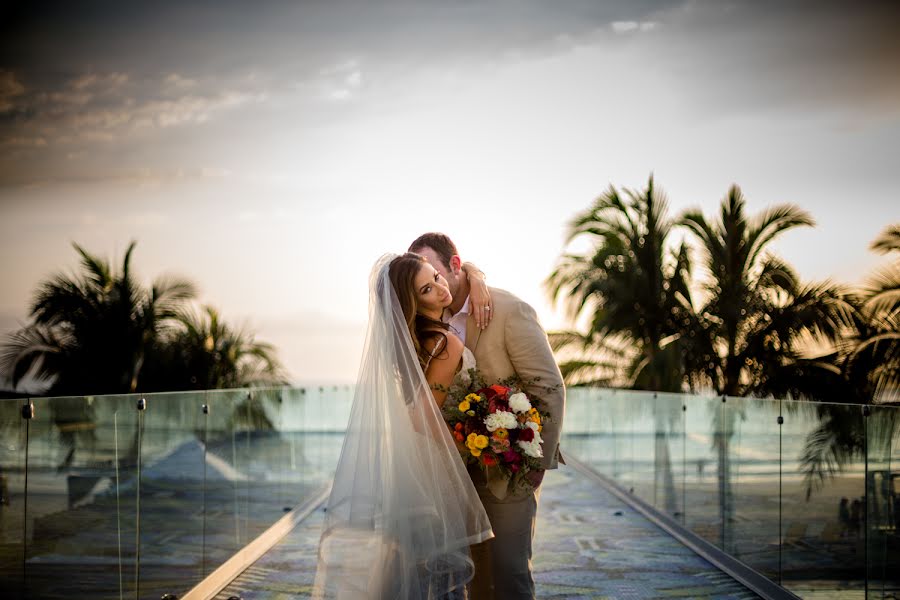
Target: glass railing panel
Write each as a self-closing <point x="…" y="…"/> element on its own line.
<point x="173" y="470"/>
<point x="705" y="482"/>
<point x="622" y="414"/>
<point x="275" y="457"/>
<point x="823" y="499"/>
<point x="610" y="451"/>
<point x="751" y="533"/>
<point x="258" y="445"/>
<point x="883" y="496"/>
<point x="225" y="497"/>
<point x="667" y="469"/>
<point x="327" y="414"/>
<point x="581" y="406"/>
<point x="597" y="426"/>
<point x="12" y="496"/>
<point x="646" y="421"/>
<point x="81" y="498"/>
<point x="297" y="471"/>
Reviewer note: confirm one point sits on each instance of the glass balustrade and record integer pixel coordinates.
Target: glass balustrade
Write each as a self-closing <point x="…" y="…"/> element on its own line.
<point x="142" y="495"/>
<point x="139" y="496"/>
<point x="805" y="493"/>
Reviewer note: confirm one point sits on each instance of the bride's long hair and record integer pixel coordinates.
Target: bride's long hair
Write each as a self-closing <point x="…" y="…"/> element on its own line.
<point x="402" y="273"/>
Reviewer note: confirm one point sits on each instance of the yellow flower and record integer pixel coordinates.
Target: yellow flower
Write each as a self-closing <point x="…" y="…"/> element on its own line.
<point x="475" y="451"/>
<point x="473" y="398"/>
<point x="535" y="416"/>
<point x="464" y="406"/>
<point x="470" y="439"/>
<point x="501" y="434"/>
<point x="481" y="442"/>
<point x="471" y="413"/>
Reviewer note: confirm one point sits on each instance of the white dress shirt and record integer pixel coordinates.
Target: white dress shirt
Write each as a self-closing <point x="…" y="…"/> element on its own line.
<point x="458" y="321"/>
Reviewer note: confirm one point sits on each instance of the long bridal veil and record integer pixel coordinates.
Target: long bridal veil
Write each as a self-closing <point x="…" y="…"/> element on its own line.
<point x="402" y="510"/>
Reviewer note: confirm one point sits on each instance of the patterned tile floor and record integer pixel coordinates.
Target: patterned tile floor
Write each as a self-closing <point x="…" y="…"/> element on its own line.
<point x="588" y="545"/>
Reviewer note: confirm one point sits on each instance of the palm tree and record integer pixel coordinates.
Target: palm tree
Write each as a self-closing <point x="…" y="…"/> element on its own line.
<point x="204" y="352"/>
<point x="758" y="317"/>
<point x="635" y="291"/>
<point x="867" y="361"/>
<point x="91" y="332"/>
<point x="633" y="288"/>
<point x="869" y="357"/>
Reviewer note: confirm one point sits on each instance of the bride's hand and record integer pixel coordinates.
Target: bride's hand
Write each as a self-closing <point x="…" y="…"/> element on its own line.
<point x="480" y="303"/>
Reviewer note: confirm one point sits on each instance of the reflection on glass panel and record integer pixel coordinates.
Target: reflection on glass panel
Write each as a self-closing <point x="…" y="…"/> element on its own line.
<point x="81" y="497"/>
<point x="577" y="430"/>
<point x="883" y="494"/>
<point x="605" y="416"/>
<point x="623" y="443"/>
<point x="668" y="451"/>
<point x="752" y="533"/>
<point x="225" y="481"/>
<point x="12" y="495"/>
<point x="596" y="425"/>
<point x="259" y="444"/>
<point x="296" y="466"/>
<point x="646" y="423"/>
<point x="706" y="467"/>
<point x="171" y="493"/>
<point x="823" y="500"/>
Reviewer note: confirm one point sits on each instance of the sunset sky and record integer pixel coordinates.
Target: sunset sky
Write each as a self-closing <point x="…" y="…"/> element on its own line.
<point x="271" y="151"/>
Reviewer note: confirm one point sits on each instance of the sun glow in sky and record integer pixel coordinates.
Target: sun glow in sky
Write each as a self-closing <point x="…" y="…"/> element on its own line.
<point x="271" y="153"/>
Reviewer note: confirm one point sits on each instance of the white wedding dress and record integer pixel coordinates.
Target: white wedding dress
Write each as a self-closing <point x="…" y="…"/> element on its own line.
<point x="402" y="511"/>
<point x="468" y="362"/>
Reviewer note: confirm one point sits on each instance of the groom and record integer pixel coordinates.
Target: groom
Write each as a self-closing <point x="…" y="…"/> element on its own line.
<point x="513" y="344"/>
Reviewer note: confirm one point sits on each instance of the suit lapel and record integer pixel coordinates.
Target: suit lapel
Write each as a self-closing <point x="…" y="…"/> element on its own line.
<point x="472" y="333"/>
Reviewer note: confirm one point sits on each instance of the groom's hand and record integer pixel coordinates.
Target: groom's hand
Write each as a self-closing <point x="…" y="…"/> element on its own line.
<point x="535" y="477"/>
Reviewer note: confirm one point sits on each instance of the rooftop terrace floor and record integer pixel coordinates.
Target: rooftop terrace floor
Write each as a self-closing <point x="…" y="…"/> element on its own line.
<point x="588" y="545"/>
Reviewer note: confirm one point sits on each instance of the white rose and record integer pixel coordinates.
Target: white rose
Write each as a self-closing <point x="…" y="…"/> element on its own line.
<point x="532" y="448"/>
<point x="519" y="402"/>
<point x="500" y="419"/>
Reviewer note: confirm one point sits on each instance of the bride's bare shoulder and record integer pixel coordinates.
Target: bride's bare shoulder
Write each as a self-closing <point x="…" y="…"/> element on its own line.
<point x="443" y="343"/>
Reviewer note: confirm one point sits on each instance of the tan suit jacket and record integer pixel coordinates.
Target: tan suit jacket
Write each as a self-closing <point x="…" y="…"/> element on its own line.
<point x="515" y="343"/>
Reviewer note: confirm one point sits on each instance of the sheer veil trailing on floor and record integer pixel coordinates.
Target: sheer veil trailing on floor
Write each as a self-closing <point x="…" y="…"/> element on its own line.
<point x="402" y="510"/>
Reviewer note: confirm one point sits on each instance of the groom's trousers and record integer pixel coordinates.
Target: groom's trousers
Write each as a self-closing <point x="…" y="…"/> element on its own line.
<point x="503" y="564"/>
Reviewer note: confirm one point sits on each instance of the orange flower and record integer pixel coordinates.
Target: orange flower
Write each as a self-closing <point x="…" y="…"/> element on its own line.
<point x="458" y="427"/>
<point x="459" y="437"/>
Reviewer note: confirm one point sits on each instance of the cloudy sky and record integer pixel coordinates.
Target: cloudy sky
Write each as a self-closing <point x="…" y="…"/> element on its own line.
<point x="271" y="151"/>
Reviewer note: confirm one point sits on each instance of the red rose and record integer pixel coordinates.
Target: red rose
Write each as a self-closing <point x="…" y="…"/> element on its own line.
<point x="512" y="457"/>
<point x="488" y="460"/>
<point x="501" y="390"/>
<point x="526" y="435"/>
<point x="488" y="392"/>
<point x="498" y="403"/>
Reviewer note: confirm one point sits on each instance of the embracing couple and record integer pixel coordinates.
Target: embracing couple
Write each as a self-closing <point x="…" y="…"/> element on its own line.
<point x="407" y="518"/>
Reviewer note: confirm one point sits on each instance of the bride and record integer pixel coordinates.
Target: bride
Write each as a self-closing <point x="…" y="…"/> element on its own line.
<point x="402" y="511"/>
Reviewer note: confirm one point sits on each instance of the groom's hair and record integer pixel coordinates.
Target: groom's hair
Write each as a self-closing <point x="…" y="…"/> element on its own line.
<point x="439" y="242"/>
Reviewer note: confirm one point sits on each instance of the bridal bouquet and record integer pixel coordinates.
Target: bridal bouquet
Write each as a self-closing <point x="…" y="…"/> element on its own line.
<point x="496" y="426"/>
